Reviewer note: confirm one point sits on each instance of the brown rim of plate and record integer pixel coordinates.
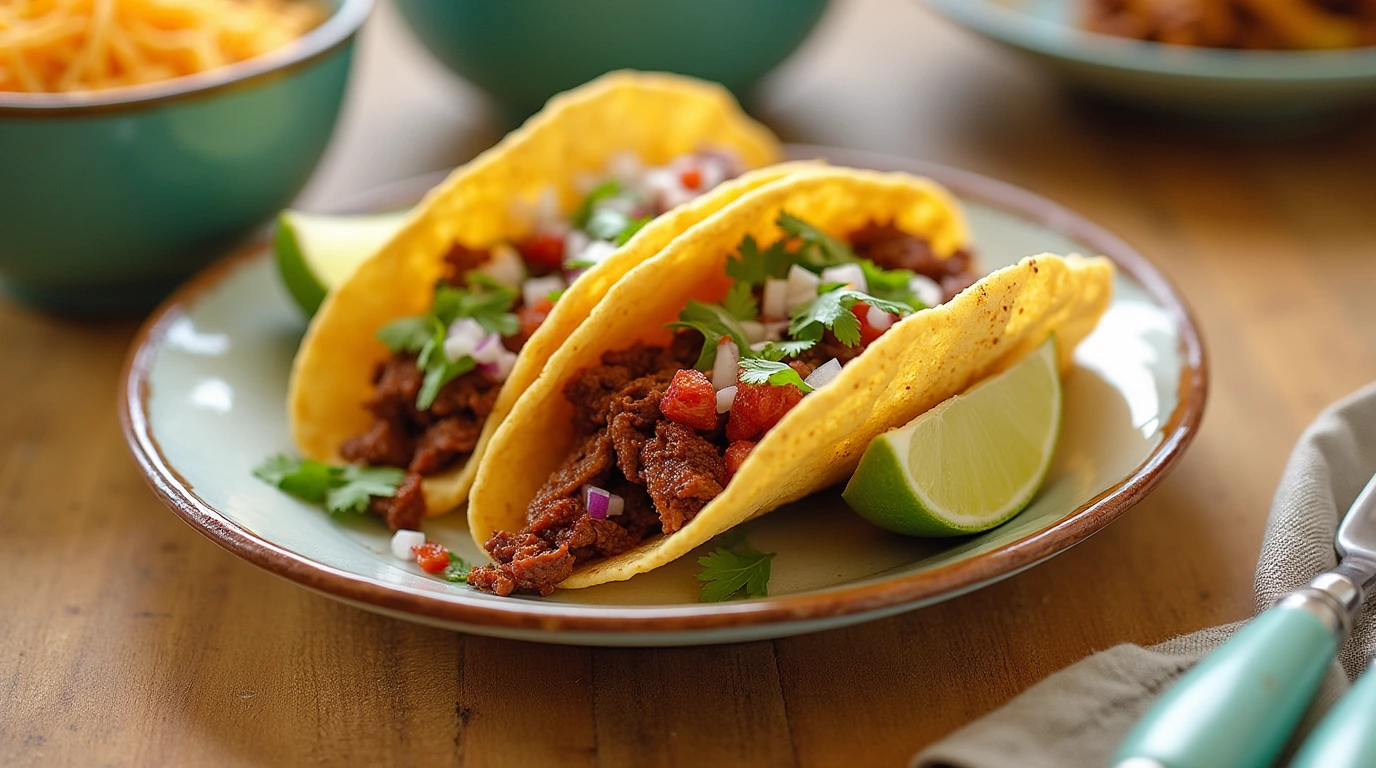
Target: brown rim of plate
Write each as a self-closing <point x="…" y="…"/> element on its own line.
<point x="862" y="597"/>
<point x="321" y="41"/>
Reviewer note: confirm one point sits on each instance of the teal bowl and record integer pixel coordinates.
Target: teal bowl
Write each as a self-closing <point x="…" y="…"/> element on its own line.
<point x="521" y="52"/>
<point x="1217" y="85"/>
<point x="109" y="199"/>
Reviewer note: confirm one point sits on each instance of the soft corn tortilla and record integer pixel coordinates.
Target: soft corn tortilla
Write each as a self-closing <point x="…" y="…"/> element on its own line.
<point x="658" y="117"/>
<point x="924" y="359"/>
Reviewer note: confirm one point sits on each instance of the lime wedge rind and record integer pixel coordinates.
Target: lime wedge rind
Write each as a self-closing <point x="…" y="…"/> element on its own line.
<point x="969" y="464"/>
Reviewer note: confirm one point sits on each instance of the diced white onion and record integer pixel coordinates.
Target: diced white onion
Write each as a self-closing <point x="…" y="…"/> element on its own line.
<point x="714" y="171"/>
<point x="403" y="540"/>
<point x="489" y="349"/>
<point x="619" y="205"/>
<point x="878" y="319"/>
<point x="596" y="252"/>
<point x="926" y="290"/>
<point x="759" y="346"/>
<point x="537" y="289"/>
<point x="823" y="374"/>
<point x="505" y="266"/>
<point x="775" y="331"/>
<point x="615" y="505"/>
<point x="725" y="397"/>
<point x="499" y="368"/>
<point x="574" y="243"/>
<point x="626" y="167"/>
<point x="850" y="274"/>
<point x="549" y="215"/>
<point x="754" y="331"/>
<point x="463" y="337"/>
<point x="775" y="303"/>
<point x="664" y="186"/>
<point x="802" y="288"/>
<point x="724" y="370"/>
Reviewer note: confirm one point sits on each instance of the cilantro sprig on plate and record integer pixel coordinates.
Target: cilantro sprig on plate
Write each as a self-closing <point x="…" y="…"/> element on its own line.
<point x="485" y="300"/>
<point x="341" y="489"/>
<point x="730" y="570"/>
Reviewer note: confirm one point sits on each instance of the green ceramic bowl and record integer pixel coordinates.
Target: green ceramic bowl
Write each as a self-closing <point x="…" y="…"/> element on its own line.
<point x="1208" y="83"/>
<point x="109" y="199"/>
<point x="524" y="51"/>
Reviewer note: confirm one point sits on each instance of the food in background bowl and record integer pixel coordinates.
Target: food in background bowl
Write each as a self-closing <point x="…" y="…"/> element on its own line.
<point x="1254" y="24"/>
<point x="111" y="197"/>
<point x="84" y="45"/>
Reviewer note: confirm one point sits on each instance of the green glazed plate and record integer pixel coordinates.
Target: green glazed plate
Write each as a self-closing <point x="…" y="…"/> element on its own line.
<point x="203" y="402"/>
<point x="1267" y="86"/>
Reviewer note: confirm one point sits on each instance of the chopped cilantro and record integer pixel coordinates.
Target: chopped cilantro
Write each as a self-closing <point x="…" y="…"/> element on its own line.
<point x="408" y="334"/>
<point x="758" y="371"/>
<point x="831" y="309"/>
<point x="819" y="250"/>
<point x="342" y="489"/>
<point x="607" y="224"/>
<point x="441" y="371"/>
<point x="607" y="189"/>
<point x="625" y="235"/>
<point x="555" y="295"/>
<point x="712" y="321"/>
<point x="457" y="570"/>
<point x="891" y="284"/>
<point x="778" y="350"/>
<point x="753" y="266"/>
<point x="726" y="572"/>
<point x="740" y="302"/>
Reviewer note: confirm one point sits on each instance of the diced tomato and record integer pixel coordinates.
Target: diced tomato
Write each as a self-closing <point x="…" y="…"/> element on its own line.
<point x="432" y="557"/>
<point x="759" y="407"/>
<point x="545" y="252"/>
<point x="868" y="333"/>
<point x="691" y="178"/>
<point x="691" y="400"/>
<point x="735" y="456"/>
<point x="531" y="315"/>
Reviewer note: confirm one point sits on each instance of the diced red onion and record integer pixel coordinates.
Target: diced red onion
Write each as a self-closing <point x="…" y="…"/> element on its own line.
<point x="601" y="503"/>
<point x="725" y="369"/>
<point x="537" y="289"/>
<point x="500" y="368"/>
<point x="823" y="374"/>
<point x="463" y="337"/>
<point x="850" y="274"/>
<point x="926" y="290"/>
<point x="802" y="288"/>
<point x="725" y="398"/>
<point x="878" y="319"/>
<point x="775" y="303"/>
<point x="506" y="265"/>
<point x="489" y="349"/>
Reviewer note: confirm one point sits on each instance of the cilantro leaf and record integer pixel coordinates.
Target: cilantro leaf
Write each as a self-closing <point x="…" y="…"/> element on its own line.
<point x="713" y="321"/>
<point x="341" y="489"/>
<point x="758" y="371"/>
<point x="625" y="235"/>
<point x="555" y="295"/>
<point x="753" y="266"/>
<point x="740" y="302"/>
<point x="359" y="485"/>
<point x="778" y="350"/>
<point x="438" y="372"/>
<point x="819" y="250"/>
<point x="726" y="572"/>
<point x="607" y="189"/>
<point x="891" y="284"/>
<point x="831" y="309"/>
<point x="408" y="334"/>
<point x="485" y="300"/>
<point x="303" y="478"/>
<point x="457" y="570"/>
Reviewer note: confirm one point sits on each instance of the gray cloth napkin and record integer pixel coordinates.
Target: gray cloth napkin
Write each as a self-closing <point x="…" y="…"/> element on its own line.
<point x="1076" y="717"/>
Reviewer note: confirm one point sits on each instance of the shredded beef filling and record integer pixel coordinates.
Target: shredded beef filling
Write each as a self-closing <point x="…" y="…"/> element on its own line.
<point x="666" y="471"/>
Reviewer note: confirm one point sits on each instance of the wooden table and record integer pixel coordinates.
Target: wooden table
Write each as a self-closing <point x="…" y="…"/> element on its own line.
<point x="128" y="639"/>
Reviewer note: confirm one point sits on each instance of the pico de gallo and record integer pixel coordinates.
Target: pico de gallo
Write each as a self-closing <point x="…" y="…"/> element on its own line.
<point x="432" y="396"/>
<point x="662" y="429"/>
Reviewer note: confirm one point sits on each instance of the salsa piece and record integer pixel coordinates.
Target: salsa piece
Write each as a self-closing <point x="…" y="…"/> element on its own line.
<point x="657" y="434"/>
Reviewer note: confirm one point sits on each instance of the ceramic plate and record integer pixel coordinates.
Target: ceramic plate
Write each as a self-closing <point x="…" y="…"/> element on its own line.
<point x="203" y="402"/>
<point x="1273" y="85"/>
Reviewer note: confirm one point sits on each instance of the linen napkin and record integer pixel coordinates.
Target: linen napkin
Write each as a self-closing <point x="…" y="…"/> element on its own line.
<point x="1077" y="717"/>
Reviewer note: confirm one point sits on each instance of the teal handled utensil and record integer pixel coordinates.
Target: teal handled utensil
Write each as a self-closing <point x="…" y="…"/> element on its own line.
<point x="1345" y="737"/>
<point x="1237" y="707"/>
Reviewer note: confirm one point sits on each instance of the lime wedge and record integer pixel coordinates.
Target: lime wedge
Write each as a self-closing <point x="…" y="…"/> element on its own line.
<point x="316" y="253"/>
<point x="970" y="463"/>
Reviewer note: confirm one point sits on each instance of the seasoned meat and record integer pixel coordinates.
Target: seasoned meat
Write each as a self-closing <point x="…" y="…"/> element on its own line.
<point x="386" y="442"/>
<point x="683" y="471"/>
<point x="891" y="248"/>
<point x="525" y="561"/>
<point x="405" y="508"/>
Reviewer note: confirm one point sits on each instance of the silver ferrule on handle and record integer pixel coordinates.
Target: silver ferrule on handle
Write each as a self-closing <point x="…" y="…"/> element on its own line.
<point x="1333" y="597"/>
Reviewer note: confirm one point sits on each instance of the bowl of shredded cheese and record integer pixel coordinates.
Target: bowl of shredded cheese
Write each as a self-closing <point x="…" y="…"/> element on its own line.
<point x="142" y="138"/>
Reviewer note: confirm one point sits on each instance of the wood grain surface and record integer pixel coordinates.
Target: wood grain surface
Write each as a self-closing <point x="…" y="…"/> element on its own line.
<point x="127" y="639"/>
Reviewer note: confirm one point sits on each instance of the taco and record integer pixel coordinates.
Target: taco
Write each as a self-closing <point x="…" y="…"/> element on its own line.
<point x="416" y="358"/>
<point x="748" y="365"/>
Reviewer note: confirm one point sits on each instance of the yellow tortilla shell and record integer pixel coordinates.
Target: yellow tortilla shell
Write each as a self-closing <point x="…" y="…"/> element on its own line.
<point x="921" y="361"/>
<point x="658" y="117"/>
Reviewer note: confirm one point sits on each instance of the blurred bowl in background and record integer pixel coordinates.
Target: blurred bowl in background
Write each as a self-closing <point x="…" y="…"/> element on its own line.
<point x="521" y="52"/>
<point x="1209" y="83"/>
<point x="111" y="198"/>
